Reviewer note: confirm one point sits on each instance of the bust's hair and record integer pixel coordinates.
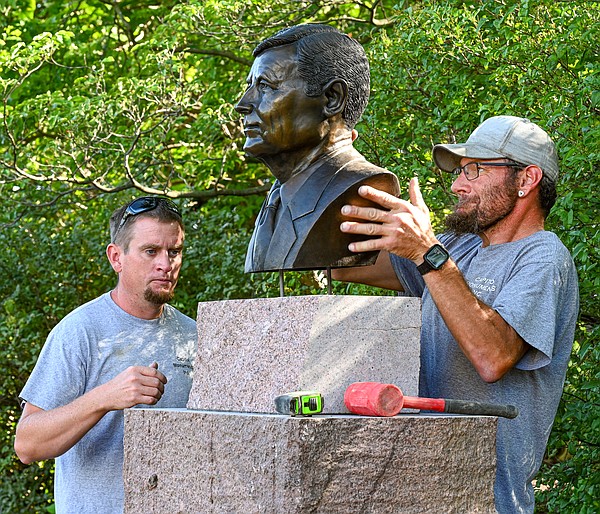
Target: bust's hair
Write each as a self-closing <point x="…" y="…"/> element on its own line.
<point x="324" y="53"/>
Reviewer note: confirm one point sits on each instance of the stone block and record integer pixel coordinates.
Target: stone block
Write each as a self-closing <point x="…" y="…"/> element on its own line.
<point x="250" y="351"/>
<point x="215" y="462"/>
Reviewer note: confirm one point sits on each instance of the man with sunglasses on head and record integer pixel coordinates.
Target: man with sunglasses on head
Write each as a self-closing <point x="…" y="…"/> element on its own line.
<point x="499" y="293"/>
<point x="110" y="354"/>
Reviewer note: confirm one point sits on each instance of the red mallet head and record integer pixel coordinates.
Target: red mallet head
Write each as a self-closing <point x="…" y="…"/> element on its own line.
<point x="373" y="399"/>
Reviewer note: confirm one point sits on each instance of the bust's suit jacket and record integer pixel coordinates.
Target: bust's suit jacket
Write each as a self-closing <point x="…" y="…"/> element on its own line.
<point x="307" y="231"/>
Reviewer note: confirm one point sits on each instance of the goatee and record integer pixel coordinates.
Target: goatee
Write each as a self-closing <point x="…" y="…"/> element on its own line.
<point x="158" y="298"/>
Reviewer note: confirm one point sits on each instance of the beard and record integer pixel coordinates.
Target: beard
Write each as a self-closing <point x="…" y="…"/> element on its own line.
<point x="492" y="205"/>
<point x="158" y="298"/>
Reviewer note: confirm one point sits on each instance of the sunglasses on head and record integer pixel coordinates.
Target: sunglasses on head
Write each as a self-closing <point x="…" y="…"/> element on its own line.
<point x="145" y="204"/>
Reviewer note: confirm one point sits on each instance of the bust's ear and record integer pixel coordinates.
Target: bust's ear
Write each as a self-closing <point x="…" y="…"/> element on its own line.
<point x="336" y="94"/>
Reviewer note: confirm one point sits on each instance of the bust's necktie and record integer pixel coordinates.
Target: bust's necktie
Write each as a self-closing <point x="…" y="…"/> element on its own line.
<point x="265" y="225"/>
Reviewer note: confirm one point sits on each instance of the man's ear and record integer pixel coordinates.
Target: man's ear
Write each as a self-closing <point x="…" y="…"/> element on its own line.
<point x="113" y="252"/>
<point x="531" y="178"/>
<point x="336" y="94"/>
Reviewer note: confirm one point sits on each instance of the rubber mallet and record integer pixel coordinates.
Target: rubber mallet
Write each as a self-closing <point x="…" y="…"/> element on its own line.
<point x="377" y="399"/>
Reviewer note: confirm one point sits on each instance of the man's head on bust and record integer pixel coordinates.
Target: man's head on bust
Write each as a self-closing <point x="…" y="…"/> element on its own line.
<point x="307" y="89"/>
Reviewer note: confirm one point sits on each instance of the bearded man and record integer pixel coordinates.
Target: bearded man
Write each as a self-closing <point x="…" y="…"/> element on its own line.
<point x="499" y="293"/>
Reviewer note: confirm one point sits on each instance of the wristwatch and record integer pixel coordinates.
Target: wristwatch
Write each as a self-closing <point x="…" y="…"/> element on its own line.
<point x="435" y="258"/>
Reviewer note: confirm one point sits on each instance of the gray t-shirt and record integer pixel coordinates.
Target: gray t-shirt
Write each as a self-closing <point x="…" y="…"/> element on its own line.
<point x="90" y="346"/>
<point x="532" y="284"/>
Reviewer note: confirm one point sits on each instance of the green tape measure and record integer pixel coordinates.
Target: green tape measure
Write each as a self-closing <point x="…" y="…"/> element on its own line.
<point x="299" y="403"/>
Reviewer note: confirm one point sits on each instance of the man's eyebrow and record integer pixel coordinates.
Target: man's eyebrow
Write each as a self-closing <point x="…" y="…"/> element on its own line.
<point x="148" y="246"/>
<point x="153" y="246"/>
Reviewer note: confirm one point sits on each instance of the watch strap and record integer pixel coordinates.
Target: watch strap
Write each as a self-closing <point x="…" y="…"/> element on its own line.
<point x="424" y="267"/>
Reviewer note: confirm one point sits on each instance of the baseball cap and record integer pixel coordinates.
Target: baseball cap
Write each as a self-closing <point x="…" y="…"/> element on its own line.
<point x="503" y="137"/>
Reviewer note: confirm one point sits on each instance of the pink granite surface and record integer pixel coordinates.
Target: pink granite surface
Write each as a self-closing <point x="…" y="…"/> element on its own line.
<point x="250" y="351"/>
<point x="179" y="461"/>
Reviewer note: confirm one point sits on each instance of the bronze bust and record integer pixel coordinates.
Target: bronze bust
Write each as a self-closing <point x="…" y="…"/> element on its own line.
<point x="307" y="88"/>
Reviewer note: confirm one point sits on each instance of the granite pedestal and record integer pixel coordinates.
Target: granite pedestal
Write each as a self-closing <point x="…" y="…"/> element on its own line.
<point x="217" y="463"/>
<point x="229" y="453"/>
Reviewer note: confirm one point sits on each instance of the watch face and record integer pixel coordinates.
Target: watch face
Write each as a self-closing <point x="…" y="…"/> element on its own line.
<point x="436" y="256"/>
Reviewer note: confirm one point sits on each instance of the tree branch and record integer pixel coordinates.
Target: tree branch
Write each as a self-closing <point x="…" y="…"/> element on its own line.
<point x="217" y="53"/>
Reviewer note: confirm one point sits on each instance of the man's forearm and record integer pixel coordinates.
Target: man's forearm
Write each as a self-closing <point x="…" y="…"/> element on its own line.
<point x="47" y="434"/>
<point x="489" y="342"/>
<point x="43" y="435"/>
<point x="381" y="274"/>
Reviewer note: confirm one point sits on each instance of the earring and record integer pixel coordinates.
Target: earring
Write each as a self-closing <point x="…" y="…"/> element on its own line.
<point x="521" y="194"/>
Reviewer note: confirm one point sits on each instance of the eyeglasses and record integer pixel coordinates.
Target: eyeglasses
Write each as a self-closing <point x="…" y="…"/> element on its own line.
<point x="145" y="204"/>
<point x="472" y="169"/>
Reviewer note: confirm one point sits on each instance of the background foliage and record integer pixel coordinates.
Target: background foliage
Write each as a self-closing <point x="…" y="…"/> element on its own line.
<point x="105" y="100"/>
